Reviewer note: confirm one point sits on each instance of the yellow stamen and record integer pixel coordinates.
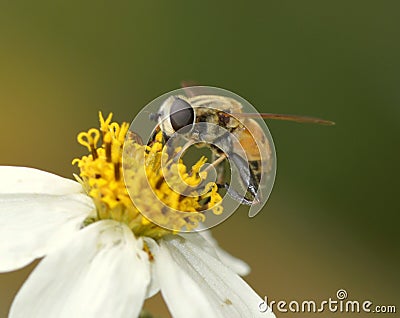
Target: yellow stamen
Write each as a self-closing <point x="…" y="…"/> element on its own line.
<point x="89" y="140"/>
<point x="101" y="175"/>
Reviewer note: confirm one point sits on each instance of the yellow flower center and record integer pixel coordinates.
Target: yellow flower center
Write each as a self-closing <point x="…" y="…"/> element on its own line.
<point x="115" y="190"/>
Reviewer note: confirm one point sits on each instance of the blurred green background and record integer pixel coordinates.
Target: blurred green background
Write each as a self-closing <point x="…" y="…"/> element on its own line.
<point x="333" y="217"/>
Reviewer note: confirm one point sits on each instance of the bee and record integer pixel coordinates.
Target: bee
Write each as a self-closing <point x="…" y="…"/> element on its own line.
<point x="241" y="140"/>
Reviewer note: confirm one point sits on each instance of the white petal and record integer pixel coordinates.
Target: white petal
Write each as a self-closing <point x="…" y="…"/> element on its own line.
<point x="237" y="265"/>
<point x="102" y="272"/>
<point x="33" y="224"/>
<point x="195" y="284"/>
<point x="29" y="180"/>
<point x="154" y="286"/>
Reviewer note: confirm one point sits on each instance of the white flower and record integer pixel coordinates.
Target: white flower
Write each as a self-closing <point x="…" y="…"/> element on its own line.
<point x="102" y="267"/>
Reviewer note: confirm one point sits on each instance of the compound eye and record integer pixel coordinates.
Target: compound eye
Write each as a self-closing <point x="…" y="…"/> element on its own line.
<point x="181" y="115"/>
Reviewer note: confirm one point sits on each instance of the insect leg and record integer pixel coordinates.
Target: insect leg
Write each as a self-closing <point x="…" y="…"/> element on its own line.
<point x="246" y="174"/>
<point x="216" y="160"/>
<point x="223" y="143"/>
